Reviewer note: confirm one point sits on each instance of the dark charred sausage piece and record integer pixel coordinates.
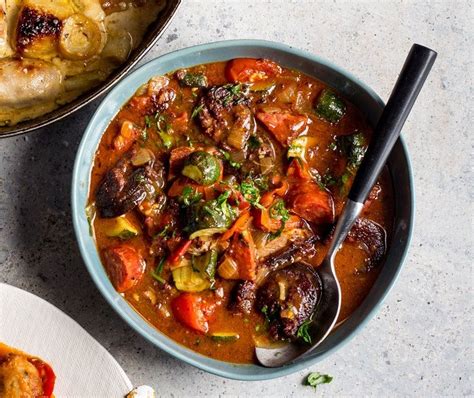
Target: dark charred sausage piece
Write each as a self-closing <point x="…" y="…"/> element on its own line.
<point x="293" y="253"/>
<point x="121" y="189"/>
<point x="288" y="297"/>
<point x="242" y="297"/>
<point x="372" y="237"/>
<point x="216" y="106"/>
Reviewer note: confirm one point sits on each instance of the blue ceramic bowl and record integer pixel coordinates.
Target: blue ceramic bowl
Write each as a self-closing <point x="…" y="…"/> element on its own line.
<point x="354" y="90"/>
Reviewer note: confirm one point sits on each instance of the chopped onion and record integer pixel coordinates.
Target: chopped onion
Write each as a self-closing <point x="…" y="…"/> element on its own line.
<point x="266" y="165"/>
<point x="142" y="156"/>
<point x="259" y="238"/>
<point x="228" y="269"/>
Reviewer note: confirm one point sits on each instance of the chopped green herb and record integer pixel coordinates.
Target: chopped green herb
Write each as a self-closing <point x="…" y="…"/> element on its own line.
<point x="261" y="182"/>
<point x="315" y="379"/>
<point x="332" y="146"/>
<point x="303" y="331"/>
<point x="230" y="94"/>
<point x="147" y="121"/>
<point x="163" y="232"/>
<point x="189" y="196"/>
<point x="251" y="193"/>
<point x="253" y="142"/>
<point x="144" y="134"/>
<point x="192" y="79"/>
<point x="197" y="110"/>
<point x="235" y="165"/>
<point x="278" y="211"/>
<point x="140" y="178"/>
<point x="156" y="274"/>
<point x="161" y="122"/>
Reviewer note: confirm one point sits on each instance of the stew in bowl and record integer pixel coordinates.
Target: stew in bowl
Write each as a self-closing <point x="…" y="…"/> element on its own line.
<point x="212" y="198"/>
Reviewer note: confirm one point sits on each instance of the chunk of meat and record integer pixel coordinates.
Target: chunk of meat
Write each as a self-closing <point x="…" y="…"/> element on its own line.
<point x="288" y="297"/>
<point x="158" y="99"/>
<point x="281" y="242"/>
<point x="121" y="189"/>
<point x="215" y="115"/>
<point x="372" y="238"/>
<point x="243" y="126"/>
<point x="25" y="82"/>
<point x="251" y="70"/>
<point x="177" y="158"/>
<point x="309" y="201"/>
<point x="284" y="125"/>
<point x="242" y="297"/>
<point x="124" y="265"/>
<point x="295" y="252"/>
<point x="242" y="251"/>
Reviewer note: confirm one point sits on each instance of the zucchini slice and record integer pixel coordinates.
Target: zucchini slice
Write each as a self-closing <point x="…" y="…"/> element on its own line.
<point x="225" y="336"/>
<point x="121" y="227"/>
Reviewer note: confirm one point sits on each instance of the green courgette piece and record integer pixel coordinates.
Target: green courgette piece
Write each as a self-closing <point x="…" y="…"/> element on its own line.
<point x="202" y="167"/>
<point x="187" y="280"/>
<point x="225" y="336"/>
<point x="206" y="264"/>
<point x="330" y="107"/>
<point x="121" y="227"/>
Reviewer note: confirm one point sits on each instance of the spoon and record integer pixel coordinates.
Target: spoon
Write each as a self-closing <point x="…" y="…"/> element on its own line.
<point x="412" y="77"/>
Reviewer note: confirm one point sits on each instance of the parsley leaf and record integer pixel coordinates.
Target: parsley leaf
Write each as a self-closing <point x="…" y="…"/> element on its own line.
<point x="253" y="142"/>
<point x="303" y="331"/>
<point x="156" y="274"/>
<point x="251" y="193"/>
<point x="314" y="379"/>
<point x="278" y="211"/>
<point x="197" y="110"/>
<point x="189" y="196"/>
<point x="232" y="163"/>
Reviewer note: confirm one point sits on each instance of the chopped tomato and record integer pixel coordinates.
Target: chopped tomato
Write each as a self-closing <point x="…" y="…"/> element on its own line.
<point x="47" y="375"/>
<point x="242" y="250"/>
<point x="309" y="201"/>
<point x="124" y="265"/>
<point x="192" y="311"/>
<point x="284" y="125"/>
<point x="251" y="70"/>
<point x="127" y="136"/>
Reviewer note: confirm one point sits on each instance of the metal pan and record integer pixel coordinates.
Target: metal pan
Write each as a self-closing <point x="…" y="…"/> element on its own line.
<point x="151" y="37"/>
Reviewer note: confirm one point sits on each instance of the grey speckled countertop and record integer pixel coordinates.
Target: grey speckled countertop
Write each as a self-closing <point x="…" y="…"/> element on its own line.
<point x="420" y="343"/>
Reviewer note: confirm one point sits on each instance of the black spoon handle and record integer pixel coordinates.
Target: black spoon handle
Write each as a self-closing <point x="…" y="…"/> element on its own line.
<point x="412" y="77"/>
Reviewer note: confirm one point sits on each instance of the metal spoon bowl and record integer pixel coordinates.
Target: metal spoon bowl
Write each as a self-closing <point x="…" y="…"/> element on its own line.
<point x="412" y="77"/>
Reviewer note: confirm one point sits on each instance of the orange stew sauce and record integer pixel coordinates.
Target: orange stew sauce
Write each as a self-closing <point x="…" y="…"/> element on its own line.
<point x="261" y="159"/>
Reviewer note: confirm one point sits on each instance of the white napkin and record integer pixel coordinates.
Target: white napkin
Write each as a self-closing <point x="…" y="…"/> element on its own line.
<point x="83" y="367"/>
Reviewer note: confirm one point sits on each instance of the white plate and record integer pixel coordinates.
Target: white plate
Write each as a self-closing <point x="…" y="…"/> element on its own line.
<point x="83" y="367"/>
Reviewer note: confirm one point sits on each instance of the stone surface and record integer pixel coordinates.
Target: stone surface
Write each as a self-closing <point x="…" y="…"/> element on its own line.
<point x="420" y="343"/>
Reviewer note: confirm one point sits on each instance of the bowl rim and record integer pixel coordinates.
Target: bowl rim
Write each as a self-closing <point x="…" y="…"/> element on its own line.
<point x="169" y="345"/>
<point x="152" y="35"/>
